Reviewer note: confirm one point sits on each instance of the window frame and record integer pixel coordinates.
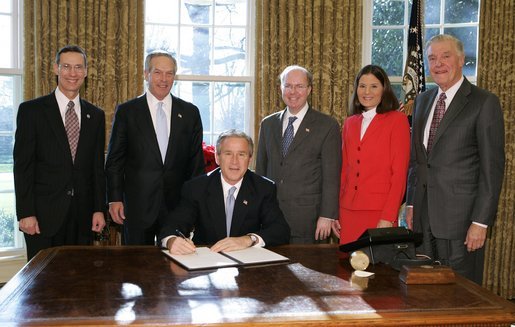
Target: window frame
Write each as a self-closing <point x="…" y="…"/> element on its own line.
<point x="248" y="79"/>
<point x="13" y="258"/>
<point x="368" y="29"/>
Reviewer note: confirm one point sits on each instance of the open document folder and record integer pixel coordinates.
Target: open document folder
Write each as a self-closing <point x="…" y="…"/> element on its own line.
<point x="204" y="258"/>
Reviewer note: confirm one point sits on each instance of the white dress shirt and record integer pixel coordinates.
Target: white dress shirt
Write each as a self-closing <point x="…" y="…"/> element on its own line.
<point x="152" y="102"/>
<point x="296" y="124"/>
<point x="367" y="119"/>
<point x="62" y="102"/>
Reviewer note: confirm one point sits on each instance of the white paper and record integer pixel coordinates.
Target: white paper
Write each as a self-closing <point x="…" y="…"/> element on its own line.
<point x="204" y="258"/>
<point x="254" y="255"/>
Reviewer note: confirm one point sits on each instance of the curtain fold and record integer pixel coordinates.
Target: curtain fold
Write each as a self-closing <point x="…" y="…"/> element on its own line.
<point x="322" y="35"/>
<point x="496" y="73"/>
<point x="110" y="31"/>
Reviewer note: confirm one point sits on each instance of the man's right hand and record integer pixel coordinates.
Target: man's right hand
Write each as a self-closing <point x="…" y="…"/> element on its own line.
<point x="179" y="245"/>
<point x="116" y="211"/>
<point x="409" y="216"/>
<point x="29" y="225"/>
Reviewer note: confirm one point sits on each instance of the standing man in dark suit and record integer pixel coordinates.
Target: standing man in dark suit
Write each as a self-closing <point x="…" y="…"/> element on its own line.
<point x="253" y="219"/>
<point x="300" y="149"/>
<point x="457" y="162"/>
<point x="155" y="146"/>
<point x="59" y="161"/>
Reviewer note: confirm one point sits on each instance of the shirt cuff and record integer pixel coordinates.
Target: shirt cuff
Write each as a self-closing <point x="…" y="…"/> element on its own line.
<point x="165" y="240"/>
<point x="479" y="224"/>
<point x="260" y="243"/>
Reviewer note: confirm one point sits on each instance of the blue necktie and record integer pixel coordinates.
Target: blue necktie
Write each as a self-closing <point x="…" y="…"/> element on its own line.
<point x="288" y="135"/>
<point x="229" y="208"/>
<point x="162" y="130"/>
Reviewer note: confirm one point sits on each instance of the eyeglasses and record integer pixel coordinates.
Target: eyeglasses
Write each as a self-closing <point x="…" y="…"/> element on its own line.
<point x="290" y="87"/>
<point x="77" y="68"/>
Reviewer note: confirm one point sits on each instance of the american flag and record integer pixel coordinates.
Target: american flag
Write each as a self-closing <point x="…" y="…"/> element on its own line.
<point x="413" y="81"/>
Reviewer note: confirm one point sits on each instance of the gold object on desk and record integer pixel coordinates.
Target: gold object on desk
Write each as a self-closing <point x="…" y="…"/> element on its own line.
<point x="359" y="260"/>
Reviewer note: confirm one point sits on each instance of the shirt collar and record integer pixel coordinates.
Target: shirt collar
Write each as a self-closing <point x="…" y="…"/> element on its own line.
<point x="369" y="114"/>
<point x="451" y="92"/>
<point x="226" y="186"/>
<point x="153" y="101"/>
<point x="61" y="98"/>
<point x="300" y="115"/>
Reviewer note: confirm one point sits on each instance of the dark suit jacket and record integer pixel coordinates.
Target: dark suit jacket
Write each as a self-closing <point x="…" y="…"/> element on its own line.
<point x="135" y="171"/>
<point x="308" y="178"/>
<point x="255" y="211"/>
<point x="462" y="175"/>
<point x="44" y="174"/>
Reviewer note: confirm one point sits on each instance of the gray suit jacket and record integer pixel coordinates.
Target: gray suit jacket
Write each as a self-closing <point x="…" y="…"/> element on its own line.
<point x="308" y="178"/>
<point x="461" y="177"/>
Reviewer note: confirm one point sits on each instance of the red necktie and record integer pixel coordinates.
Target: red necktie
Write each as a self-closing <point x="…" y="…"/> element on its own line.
<point x="72" y="128"/>
<point x="437" y="118"/>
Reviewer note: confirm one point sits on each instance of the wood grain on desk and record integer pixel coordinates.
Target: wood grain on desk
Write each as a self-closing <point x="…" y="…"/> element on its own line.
<point x="141" y="286"/>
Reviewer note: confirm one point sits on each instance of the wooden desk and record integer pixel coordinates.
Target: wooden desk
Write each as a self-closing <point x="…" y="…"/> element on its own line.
<point x="140" y="286"/>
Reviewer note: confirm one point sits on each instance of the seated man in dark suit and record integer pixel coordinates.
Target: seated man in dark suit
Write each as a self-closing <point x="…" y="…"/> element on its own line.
<point x="251" y="217"/>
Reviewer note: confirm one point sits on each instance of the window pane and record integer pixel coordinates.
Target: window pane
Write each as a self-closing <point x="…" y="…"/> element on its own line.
<point x="230" y="48"/>
<point x="196" y="12"/>
<point x="231" y="12"/>
<point x="8" y="221"/>
<point x="430" y="32"/>
<point x="222" y="105"/>
<point x="388" y="12"/>
<point x="467" y="35"/>
<point x="461" y="11"/>
<point x="5" y="6"/>
<point x="195" y="50"/>
<point x="432" y="12"/>
<point x="162" y="11"/>
<point x="387" y="50"/>
<point x="6" y="42"/>
<point x="159" y="37"/>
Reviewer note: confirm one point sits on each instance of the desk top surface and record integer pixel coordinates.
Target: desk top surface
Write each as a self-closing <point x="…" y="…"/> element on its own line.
<point x="140" y="285"/>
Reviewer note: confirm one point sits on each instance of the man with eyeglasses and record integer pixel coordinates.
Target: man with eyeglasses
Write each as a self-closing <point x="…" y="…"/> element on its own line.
<point x="300" y="150"/>
<point x="59" y="161"/>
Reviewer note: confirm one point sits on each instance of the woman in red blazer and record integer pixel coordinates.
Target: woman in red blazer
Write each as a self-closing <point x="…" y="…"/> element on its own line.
<point x="375" y="150"/>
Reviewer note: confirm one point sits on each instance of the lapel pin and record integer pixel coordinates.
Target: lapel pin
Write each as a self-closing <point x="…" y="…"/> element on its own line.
<point x="179" y="115"/>
<point x="245" y="202"/>
<point x="87" y="116"/>
<point x="307" y="130"/>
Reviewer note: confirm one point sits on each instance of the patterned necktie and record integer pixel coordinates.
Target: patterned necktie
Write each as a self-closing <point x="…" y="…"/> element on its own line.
<point x="437" y="118"/>
<point x="288" y="135"/>
<point x="162" y="130"/>
<point x="71" y="124"/>
<point x="229" y="208"/>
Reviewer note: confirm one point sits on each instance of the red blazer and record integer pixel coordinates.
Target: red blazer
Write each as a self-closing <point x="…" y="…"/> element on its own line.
<point x="374" y="170"/>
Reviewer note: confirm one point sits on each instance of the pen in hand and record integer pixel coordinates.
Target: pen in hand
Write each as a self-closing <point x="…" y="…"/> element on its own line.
<point x="179" y="233"/>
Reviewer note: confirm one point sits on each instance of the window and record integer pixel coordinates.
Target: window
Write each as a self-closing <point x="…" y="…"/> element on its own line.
<point x="211" y="41"/>
<point x="11" y="241"/>
<point x="386" y="31"/>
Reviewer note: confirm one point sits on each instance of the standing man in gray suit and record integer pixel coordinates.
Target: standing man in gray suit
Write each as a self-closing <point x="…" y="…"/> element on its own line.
<point x="300" y="150"/>
<point x="457" y="162"/>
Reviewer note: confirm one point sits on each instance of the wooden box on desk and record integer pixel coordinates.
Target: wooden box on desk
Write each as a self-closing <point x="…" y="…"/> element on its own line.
<point x="427" y="274"/>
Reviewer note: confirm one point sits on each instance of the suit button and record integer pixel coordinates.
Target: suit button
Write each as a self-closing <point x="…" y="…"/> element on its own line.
<point x="357" y="161"/>
<point x="359" y="148"/>
<point x="355" y="188"/>
<point x="424" y="185"/>
<point x="357" y="174"/>
<point x="281" y="181"/>
<point x="428" y="166"/>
